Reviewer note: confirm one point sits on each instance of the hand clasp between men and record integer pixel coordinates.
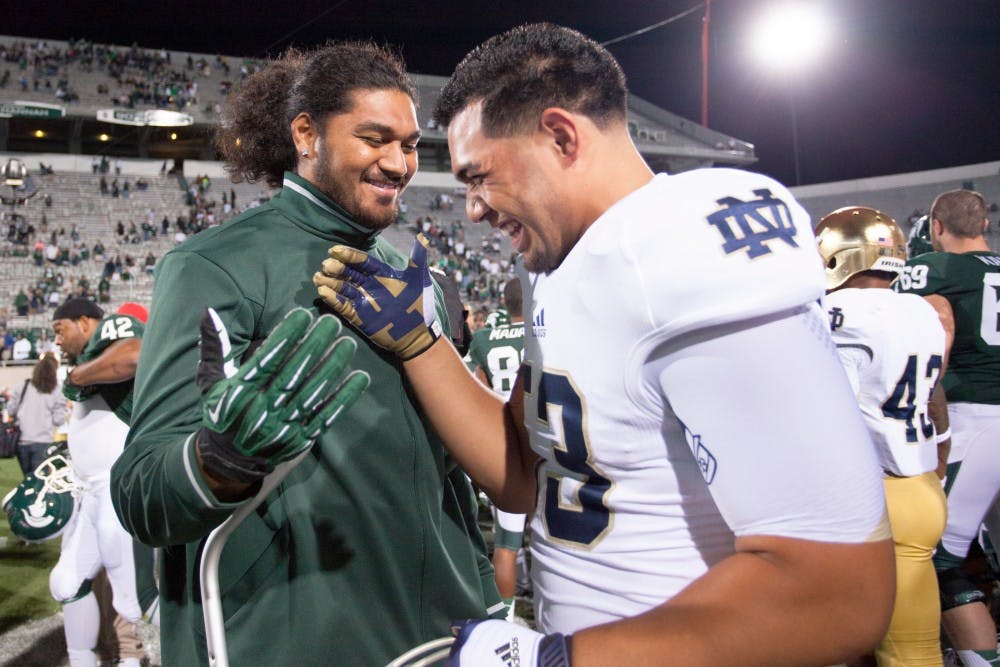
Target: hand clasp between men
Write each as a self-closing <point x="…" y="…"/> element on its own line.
<point x="394" y="308"/>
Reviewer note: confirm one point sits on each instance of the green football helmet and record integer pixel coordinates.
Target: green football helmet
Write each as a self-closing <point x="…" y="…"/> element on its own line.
<point x="919" y="240"/>
<point x="41" y="506"/>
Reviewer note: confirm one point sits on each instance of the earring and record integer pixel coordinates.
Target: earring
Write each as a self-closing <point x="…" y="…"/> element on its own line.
<point x="305" y="153"/>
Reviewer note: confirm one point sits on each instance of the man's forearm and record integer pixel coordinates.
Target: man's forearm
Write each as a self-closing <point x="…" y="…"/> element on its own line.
<point x="815" y="603"/>
<point x="938" y="410"/>
<point x="160" y="495"/>
<point x="117" y="364"/>
<point x="475" y="425"/>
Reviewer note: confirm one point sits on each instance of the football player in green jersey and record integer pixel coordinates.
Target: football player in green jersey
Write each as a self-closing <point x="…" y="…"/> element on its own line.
<point x="105" y="351"/>
<point x="496" y="353"/>
<point x="961" y="278"/>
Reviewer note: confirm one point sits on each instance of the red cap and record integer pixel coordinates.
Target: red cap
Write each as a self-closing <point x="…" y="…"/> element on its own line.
<point x="136" y="310"/>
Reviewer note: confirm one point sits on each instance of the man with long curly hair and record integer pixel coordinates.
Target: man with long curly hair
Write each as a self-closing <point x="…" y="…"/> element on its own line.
<point x="370" y="545"/>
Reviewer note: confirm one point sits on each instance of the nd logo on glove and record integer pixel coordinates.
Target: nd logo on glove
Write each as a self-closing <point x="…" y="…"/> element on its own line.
<point x="392" y="307"/>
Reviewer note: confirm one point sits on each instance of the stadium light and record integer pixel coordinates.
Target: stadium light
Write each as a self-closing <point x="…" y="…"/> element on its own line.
<point x="791" y="36"/>
<point x="14" y="173"/>
<point x="788" y="39"/>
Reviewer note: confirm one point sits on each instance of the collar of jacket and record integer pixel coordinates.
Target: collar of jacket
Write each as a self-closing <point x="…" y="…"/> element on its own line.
<point x="310" y="209"/>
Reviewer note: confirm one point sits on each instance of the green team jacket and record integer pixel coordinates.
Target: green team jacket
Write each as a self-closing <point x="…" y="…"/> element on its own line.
<point x="971" y="283"/>
<point x="370" y="546"/>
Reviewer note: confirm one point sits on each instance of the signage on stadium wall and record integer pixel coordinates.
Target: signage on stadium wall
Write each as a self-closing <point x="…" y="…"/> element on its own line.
<point x="22" y="109"/>
<point x="154" y="117"/>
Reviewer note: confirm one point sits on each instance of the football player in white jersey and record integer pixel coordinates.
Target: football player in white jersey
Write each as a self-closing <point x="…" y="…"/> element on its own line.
<point x="894" y="350"/>
<point x="704" y="487"/>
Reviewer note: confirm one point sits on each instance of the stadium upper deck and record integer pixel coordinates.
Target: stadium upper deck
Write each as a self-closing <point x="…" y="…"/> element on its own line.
<point x="81" y="79"/>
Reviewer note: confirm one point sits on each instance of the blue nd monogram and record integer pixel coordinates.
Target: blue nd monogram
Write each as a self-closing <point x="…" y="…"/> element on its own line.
<point x="750" y="225"/>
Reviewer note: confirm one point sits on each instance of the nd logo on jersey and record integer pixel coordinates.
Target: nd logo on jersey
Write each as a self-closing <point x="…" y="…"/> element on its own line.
<point x="750" y="225"/>
<point x="836" y="318"/>
<point x="706" y="461"/>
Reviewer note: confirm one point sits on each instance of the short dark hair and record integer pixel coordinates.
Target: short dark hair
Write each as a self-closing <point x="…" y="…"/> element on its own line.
<point x="254" y="135"/>
<point x="518" y="73"/>
<point x="512" y="297"/>
<point x="76" y="308"/>
<point x="962" y="212"/>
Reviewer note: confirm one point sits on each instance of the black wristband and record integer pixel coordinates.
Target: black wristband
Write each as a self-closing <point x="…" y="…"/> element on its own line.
<point x="221" y="460"/>
<point x="554" y="651"/>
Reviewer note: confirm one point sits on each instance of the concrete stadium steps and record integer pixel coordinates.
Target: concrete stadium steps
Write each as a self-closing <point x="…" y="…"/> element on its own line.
<point x="77" y="200"/>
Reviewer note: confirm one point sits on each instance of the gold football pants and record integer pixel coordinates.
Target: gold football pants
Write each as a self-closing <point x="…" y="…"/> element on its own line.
<point x="917" y="511"/>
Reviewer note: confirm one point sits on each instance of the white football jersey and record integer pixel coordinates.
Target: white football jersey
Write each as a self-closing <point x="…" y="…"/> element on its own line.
<point x="892" y="349"/>
<point x="682" y="390"/>
<point x="96" y="439"/>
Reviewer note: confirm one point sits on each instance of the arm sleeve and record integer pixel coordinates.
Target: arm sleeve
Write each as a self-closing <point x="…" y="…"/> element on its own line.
<point x="509" y="530"/>
<point x="854" y="360"/>
<point x="476" y="352"/>
<point x="157" y="488"/>
<point x="469" y="507"/>
<point x="15" y="399"/>
<point x="767" y="404"/>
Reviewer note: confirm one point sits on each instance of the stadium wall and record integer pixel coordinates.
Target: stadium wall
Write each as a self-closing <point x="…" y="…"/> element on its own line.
<point x="62" y="162"/>
<point x="901" y="195"/>
<point x="897" y="195"/>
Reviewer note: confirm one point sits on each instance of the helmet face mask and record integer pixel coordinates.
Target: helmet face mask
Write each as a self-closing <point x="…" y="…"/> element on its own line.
<point x="856" y="239"/>
<point x="919" y="241"/>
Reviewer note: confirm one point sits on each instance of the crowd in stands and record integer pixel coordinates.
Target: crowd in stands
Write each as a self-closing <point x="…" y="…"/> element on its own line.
<point x="136" y="76"/>
<point x="69" y="265"/>
<point x="480" y="270"/>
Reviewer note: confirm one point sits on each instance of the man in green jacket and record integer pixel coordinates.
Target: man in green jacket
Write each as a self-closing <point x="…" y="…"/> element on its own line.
<point x="370" y="546"/>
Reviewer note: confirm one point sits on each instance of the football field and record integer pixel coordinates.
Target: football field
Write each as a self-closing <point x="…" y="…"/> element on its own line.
<point x="24" y="568"/>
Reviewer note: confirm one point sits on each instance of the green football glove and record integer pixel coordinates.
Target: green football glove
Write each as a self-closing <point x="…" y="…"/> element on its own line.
<point x="75" y="392"/>
<point x="280" y="401"/>
<point x="394" y="308"/>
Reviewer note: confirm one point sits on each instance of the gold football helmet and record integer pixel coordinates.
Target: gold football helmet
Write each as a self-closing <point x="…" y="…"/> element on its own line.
<point x="857" y="238"/>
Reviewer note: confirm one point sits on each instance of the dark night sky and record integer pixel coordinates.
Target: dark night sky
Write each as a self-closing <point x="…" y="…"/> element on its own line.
<point x="908" y="85"/>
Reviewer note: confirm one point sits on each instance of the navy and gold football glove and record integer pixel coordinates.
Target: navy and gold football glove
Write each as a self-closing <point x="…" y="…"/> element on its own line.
<point x="394" y="308"/>
<point x="276" y="404"/>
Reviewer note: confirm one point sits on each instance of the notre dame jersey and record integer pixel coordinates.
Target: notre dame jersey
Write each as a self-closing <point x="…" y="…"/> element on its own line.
<point x="498" y="351"/>
<point x="971" y="283"/>
<point x="667" y="396"/>
<point x="892" y="346"/>
<point x="112" y="329"/>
